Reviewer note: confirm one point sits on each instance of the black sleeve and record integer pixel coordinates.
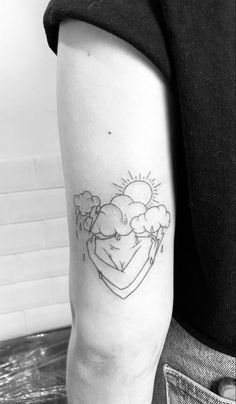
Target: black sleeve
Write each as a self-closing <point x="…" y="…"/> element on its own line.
<point x="135" y="21"/>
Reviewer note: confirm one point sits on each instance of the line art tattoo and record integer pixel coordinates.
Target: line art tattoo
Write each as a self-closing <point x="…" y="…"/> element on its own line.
<point x="125" y="234"/>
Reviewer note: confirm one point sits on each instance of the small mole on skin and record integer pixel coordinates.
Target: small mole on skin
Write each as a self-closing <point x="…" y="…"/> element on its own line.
<point x="88" y="54"/>
<point x="109" y="133"/>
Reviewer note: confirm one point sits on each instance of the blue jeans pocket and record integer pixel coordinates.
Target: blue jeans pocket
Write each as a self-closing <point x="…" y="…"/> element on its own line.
<point x="180" y="389"/>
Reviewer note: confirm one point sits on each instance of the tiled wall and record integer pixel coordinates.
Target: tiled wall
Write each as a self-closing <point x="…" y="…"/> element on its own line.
<point x="34" y="254"/>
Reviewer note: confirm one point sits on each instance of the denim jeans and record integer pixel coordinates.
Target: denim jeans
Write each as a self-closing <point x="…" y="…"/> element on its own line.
<point x="189" y="372"/>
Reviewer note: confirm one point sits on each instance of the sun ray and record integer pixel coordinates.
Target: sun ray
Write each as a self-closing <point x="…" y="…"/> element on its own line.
<point x="130" y="175"/>
<point x="148" y="175"/>
<point x="118" y="186"/>
<point x="137" y="190"/>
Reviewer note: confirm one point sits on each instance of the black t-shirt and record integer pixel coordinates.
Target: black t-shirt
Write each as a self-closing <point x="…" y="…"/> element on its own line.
<point x="192" y="44"/>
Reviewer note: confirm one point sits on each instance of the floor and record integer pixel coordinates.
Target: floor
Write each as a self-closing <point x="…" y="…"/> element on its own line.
<point x="32" y="369"/>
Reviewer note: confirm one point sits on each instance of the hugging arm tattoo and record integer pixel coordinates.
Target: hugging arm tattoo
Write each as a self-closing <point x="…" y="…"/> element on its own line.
<point x="125" y="234"/>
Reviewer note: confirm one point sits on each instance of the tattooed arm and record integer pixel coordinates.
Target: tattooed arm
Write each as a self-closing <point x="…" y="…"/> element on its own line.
<point x="125" y="282"/>
<point x="116" y="156"/>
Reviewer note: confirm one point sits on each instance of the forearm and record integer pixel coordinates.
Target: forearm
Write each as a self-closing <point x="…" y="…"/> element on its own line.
<point x="106" y="390"/>
<point x="120" y="389"/>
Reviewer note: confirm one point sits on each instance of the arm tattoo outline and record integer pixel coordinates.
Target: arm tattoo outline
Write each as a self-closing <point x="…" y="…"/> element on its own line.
<point x="125" y="234"/>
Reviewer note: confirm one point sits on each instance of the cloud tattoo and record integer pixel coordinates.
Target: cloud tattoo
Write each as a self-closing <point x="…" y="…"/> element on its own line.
<point x="150" y="221"/>
<point x="115" y="217"/>
<point x="85" y="202"/>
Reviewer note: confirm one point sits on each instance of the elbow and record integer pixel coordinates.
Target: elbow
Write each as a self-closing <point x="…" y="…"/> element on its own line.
<point x="94" y="361"/>
<point x="94" y="355"/>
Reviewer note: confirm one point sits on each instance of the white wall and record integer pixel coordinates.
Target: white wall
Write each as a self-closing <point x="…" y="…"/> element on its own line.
<point x="28" y="123"/>
<point x="34" y="256"/>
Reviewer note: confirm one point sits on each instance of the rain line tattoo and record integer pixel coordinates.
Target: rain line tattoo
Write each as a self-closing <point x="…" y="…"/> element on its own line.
<point x="125" y="234"/>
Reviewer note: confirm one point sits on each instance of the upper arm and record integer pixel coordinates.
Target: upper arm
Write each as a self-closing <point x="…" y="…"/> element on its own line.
<point x="115" y="142"/>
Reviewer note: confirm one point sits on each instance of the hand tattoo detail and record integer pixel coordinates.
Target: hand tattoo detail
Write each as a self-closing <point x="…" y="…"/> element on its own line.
<point x="126" y="233"/>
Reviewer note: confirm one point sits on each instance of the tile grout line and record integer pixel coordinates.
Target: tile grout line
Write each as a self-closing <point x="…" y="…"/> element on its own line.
<point x="25" y="190"/>
<point x="34" y="221"/>
<point x="30" y="251"/>
<point x="16" y="282"/>
<point x="23" y="310"/>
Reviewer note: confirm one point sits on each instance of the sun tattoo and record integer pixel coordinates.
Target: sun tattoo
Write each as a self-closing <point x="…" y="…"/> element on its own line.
<point x="125" y="234"/>
<point x="143" y="189"/>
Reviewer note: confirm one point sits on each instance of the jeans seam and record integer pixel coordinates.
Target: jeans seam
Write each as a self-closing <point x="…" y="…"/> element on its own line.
<point x="166" y="387"/>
